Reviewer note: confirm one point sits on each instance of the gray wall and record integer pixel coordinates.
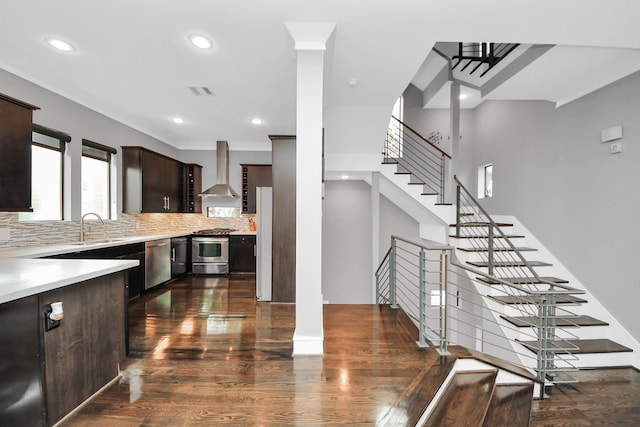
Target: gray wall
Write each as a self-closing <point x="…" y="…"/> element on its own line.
<point x="552" y="172"/>
<point x="347" y="270"/>
<point x="346" y="243"/>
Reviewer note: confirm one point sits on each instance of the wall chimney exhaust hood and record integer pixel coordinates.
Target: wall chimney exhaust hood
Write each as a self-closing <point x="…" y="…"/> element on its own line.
<point x="222" y="188"/>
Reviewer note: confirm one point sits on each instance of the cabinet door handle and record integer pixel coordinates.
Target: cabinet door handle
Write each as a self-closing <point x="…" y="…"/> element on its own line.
<point x="168" y="203"/>
<point x="173" y="254"/>
<point x="255" y="250"/>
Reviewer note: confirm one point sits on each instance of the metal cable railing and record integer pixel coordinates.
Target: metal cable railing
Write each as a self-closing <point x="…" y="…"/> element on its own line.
<point x="416" y="155"/>
<point x="455" y="303"/>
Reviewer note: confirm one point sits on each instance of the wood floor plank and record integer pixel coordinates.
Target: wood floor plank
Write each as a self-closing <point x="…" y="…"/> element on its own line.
<point x="199" y="362"/>
<point x="205" y="352"/>
<point x="510" y="406"/>
<point x="465" y="400"/>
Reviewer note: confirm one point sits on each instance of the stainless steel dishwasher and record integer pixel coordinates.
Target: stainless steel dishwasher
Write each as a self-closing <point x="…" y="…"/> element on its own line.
<point x="157" y="262"/>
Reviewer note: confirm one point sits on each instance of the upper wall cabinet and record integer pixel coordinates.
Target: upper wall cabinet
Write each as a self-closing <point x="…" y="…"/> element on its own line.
<point x="16" y="119"/>
<point x="253" y="176"/>
<point x="154" y="183"/>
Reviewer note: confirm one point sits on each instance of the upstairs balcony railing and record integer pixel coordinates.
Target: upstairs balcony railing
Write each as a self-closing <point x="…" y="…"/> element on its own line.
<point x="481" y="56"/>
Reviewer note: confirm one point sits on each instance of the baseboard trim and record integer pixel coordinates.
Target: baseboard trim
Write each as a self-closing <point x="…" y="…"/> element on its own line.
<point x="307" y="346"/>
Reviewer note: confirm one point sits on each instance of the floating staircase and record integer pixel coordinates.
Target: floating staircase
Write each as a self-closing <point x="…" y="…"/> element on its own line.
<point x="593" y="335"/>
<point x="572" y="310"/>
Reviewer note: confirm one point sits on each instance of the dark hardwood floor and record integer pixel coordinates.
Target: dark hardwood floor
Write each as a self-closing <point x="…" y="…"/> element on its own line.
<point x="204" y="352"/>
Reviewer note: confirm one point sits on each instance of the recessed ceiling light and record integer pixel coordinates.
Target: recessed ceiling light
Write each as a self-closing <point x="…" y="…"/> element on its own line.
<point x="256" y="121"/>
<point x="60" y="44"/>
<point x="200" y="41"/>
<point x="178" y="120"/>
<point x="344" y="176"/>
<point x="463" y="96"/>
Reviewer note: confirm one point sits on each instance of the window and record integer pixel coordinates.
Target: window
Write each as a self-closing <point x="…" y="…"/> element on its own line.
<point x="393" y="146"/>
<point x="96" y="178"/>
<point x="485" y="181"/>
<point x="47" y="166"/>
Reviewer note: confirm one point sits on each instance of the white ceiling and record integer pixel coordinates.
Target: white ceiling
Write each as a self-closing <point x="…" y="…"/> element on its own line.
<point x="133" y="62"/>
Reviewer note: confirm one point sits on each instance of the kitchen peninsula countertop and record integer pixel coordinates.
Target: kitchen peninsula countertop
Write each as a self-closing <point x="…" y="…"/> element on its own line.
<point x="25" y="277"/>
<point x="25" y="271"/>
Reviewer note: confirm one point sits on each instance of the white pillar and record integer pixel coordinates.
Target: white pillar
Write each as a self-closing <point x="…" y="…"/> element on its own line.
<point x="310" y="44"/>
<point x="375" y="228"/>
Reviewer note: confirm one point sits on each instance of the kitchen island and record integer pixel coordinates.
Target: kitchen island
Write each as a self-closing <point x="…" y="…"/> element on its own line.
<point x="48" y="369"/>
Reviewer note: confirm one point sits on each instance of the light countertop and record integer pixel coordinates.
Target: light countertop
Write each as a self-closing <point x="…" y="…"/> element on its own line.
<point x="25" y="277"/>
<point x="25" y="271"/>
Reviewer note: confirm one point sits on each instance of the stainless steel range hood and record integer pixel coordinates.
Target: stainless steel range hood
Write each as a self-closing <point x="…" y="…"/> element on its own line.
<point x="222" y="188"/>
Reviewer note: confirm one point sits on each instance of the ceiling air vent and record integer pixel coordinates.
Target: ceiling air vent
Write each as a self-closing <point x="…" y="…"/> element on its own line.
<point x="201" y="90"/>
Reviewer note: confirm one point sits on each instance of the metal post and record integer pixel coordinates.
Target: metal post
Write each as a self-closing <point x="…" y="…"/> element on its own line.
<point x="392" y="274"/>
<point x="490" y="248"/>
<point x="458" y="212"/>
<point x="443" y="303"/>
<point x="542" y="342"/>
<point x="442" y="170"/>
<point x="423" y="322"/>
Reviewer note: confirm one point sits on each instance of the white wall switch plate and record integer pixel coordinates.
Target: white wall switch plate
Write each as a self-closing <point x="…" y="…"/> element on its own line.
<point x="616" y="147"/>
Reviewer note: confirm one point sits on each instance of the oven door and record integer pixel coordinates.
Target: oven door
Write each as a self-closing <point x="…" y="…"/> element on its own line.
<point x="210" y="249"/>
<point x="210" y="255"/>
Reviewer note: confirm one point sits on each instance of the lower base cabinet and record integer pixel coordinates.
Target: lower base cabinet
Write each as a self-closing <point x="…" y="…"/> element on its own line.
<point x="242" y="254"/>
<point x="45" y="374"/>
<point x="82" y="354"/>
<point x="21" y="394"/>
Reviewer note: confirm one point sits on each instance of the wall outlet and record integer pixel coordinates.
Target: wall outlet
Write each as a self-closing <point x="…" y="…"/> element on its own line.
<point x="616" y="147"/>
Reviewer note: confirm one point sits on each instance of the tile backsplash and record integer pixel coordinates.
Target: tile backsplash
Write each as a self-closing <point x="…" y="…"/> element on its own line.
<point x="14" y="233"/>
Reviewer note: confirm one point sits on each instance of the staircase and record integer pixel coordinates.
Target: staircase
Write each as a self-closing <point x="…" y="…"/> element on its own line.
<point x="499" y="257"/>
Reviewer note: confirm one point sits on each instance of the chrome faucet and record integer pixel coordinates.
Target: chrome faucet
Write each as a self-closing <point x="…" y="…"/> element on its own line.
<point x="82" y="223"/>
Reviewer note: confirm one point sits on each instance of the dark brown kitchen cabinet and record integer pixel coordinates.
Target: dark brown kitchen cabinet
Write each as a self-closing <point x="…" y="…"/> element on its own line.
<point x="193" y="202"/>
<point x="284" y="217"/>
<point x="152" y="182"/>
<point x="253" y="176"/>
<point x="242" y="254"/>
<point x="16" y="119"/>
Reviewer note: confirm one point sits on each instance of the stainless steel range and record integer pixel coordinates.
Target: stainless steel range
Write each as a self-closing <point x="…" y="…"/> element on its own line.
<point x="210" y="251"/>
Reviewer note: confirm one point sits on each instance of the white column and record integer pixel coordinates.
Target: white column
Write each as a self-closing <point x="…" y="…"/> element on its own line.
<point x="375" y="227"/>
<point x="310" y="44"/>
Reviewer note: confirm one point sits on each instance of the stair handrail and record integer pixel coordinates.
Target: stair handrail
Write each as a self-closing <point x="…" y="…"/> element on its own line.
<point x="418" y="156"/>
<point x="411" y="287"/>
<point x="422" y="137"/>
<point x="494" y="226"/>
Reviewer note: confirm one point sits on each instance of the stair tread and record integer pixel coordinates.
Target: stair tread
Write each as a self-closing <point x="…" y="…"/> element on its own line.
<point x="509" y="264"/>
<point x="483" y="249"/>
<point x="412" y="403"/>
<point x="522" y="280"/>
<point x="465" y="400"/>
<point x="563" y="321"/>
<point x="530" y="299"/>
<point x="579" y="346"/>
<point x="510" y="405"/>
